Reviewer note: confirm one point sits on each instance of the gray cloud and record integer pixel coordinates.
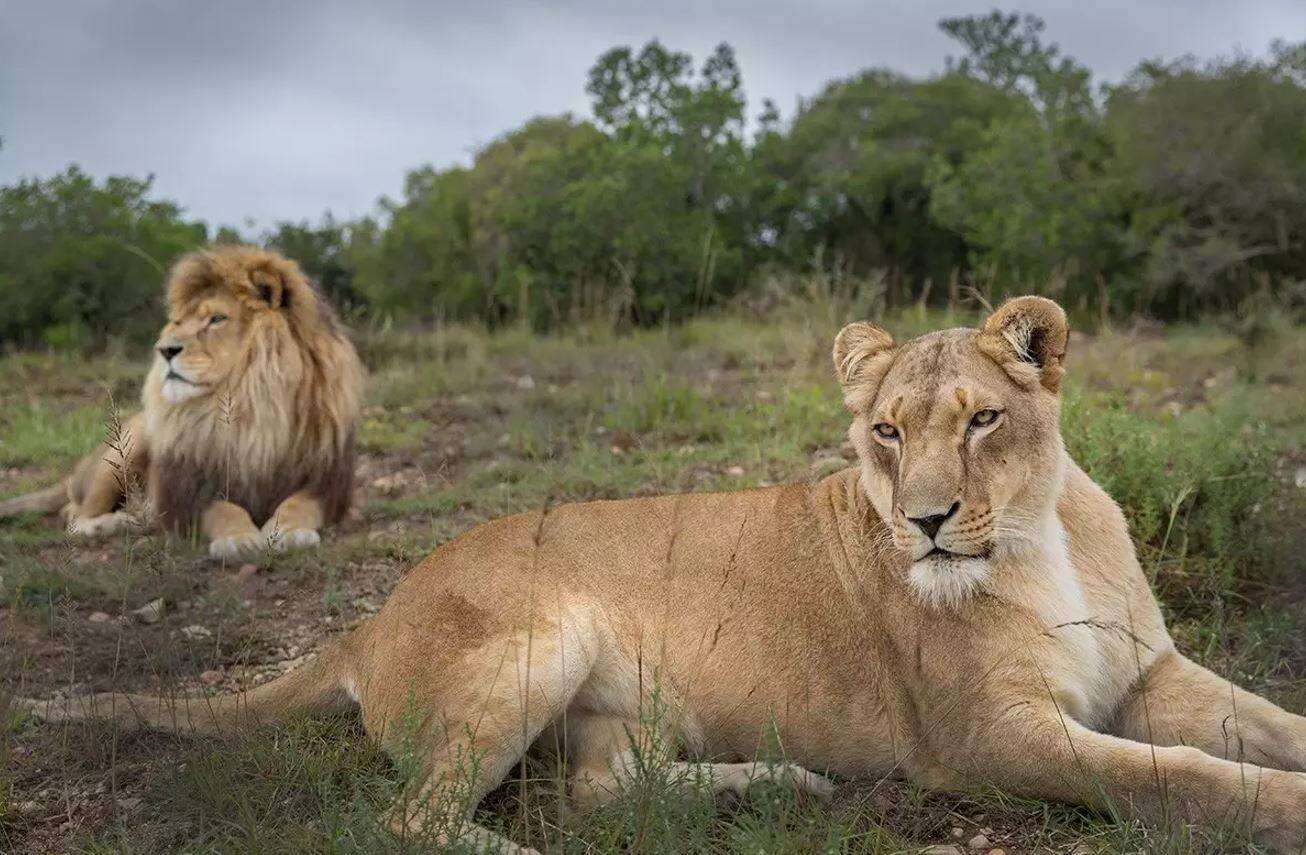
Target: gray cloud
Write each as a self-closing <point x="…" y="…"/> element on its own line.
<point x="286" y="109"/>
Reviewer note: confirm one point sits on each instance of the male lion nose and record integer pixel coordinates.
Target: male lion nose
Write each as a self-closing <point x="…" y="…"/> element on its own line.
<point x="168" y="351"/>
<point x="931" y="524"/>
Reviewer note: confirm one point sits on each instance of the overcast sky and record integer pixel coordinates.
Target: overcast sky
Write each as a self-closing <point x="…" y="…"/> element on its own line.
<point x="283" y="110"/>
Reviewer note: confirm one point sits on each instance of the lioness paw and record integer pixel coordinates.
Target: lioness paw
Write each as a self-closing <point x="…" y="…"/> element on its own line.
<point x="236" y="545"/>
<point x="99" y="526"/>
<point x="805" y="781"/>
<point x="281" y="540"/>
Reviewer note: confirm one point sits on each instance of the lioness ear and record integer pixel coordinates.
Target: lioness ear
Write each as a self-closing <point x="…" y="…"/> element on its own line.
<point x="270" y="287"/>
<point x="1027" y="336"/>
<point x="862" y="354"/>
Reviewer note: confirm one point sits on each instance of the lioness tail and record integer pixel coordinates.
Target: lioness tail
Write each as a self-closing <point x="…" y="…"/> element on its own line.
<point x="45" y="501"/>
<point x="315" y="688"/>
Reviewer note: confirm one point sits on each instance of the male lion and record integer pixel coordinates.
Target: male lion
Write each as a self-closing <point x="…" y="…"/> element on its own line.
<point x="963" y="606"/>
<point x="249" y="414"/>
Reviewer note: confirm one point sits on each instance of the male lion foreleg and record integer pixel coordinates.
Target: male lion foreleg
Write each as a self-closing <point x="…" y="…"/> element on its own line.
<point x="295" y="523"/>
<point x="1033" y="750"/>
<point x="609" y="753"/>
<point x="230" y="530"/>
<point x="1179" y="702"/>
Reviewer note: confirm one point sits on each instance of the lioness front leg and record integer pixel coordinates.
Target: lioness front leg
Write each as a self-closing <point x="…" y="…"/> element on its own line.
<point x="1034" y="750"/>
<point x="1181" y="703"/>
<point x="295" y="523"/>
<point x="230" y="530"/>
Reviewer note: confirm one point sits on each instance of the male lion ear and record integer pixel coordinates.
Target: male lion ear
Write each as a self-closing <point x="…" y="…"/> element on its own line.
<point x="862" y="354"/>
<point x="269" y="287"/>
<point x="1027" y="336"/>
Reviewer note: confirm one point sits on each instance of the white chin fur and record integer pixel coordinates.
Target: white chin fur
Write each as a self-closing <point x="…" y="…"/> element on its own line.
<point x="176" y="391"/>
<point x="940" y="582"/>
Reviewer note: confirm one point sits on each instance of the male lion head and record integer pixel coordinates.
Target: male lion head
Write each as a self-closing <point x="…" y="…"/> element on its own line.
<point x="225" y="305"/>
<point x="958" y="437"/>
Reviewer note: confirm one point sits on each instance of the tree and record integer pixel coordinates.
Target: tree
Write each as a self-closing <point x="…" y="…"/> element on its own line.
<point x="81" y="261"/>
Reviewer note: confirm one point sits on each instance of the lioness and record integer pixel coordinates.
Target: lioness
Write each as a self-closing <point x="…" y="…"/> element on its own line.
<point x="250" y="410"/>
<point x="963" y="606"/>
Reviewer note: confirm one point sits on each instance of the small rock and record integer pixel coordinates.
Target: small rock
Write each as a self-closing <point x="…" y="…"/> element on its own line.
<point x="246" y="572"/>
<point x="211" y="678"/>
<point x="623" y="441"/>
<point x="979" y="841"/>
<point x="98" y="617"/>
<point x="998" y="851"/>
<point x="526" y="382"/>
<point x="1300" y="479"/>
<point x="735" y="471"/>
<point x="957" y="832"/>
<point x="942" y="849"/>
<point x="151" y="612"/>
<point x="196" y="632"/>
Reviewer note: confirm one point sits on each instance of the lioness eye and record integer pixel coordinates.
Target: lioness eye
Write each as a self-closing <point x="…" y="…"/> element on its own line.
<point x="984" y="418"/>
<point x="886" y="431"/>
<point x="216" y="319"/>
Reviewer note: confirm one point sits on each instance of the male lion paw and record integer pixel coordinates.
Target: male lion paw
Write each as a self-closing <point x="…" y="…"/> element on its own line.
<point x="235" y="545"/>
<point x="281" y="540"/>
<point x="99" y="526"/>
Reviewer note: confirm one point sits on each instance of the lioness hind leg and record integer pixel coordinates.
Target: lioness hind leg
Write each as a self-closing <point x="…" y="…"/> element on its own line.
<point x="460" y="722"/>
<point x="604" y="750"/>
<point x="1181" y="703"/>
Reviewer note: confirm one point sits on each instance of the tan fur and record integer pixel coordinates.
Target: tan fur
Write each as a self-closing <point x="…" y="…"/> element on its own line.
<point x="253" y="441"/>
<point x="1031" y="656"/>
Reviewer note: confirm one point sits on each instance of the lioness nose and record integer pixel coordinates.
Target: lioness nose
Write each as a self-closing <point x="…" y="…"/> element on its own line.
<point x="168" y="351"/>
<point x="931" y="524"/>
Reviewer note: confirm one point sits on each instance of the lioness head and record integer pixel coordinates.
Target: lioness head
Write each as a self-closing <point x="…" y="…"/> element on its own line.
<point x="958" y="437"/>
<point x="223" y="304"/>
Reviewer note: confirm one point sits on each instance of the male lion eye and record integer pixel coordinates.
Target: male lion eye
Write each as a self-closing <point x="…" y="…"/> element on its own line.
<point x="886" y="431"/>
<point x="984" y="418"/>
<point x="216" y="319"/>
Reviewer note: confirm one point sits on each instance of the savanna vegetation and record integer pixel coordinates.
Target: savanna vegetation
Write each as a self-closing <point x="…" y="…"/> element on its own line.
<point x="1175" y="192"/>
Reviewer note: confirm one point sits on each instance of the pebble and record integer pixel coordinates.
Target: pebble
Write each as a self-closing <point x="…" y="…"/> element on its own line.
<point x="151" y="612"/>
<point x="735" y="471"/>
<point x="997" y="852"/>
<point x="526" y="382"/>
<point x="98" y="617"/>
<point x="196" y="632"/>
<point x="942" y="849"/>
<point x="957" y="832"/>
<point x="979" y="841"/>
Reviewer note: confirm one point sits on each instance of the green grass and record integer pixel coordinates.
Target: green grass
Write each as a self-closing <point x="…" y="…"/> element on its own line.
<point x="1196" y="431"/>
<point x="44" y="434"/>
